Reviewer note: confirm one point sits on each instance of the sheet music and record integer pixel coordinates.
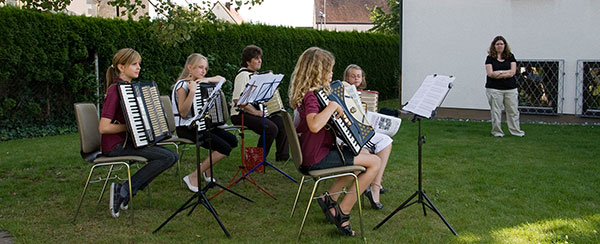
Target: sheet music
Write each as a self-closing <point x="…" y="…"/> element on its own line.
<point x="261" y="87"/>
<point x="430" y="95"/>
<point x="384" y="124"/>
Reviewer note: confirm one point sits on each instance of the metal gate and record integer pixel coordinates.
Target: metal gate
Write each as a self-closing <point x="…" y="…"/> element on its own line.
<point x="588" y="88"/>
<point x="540" y="85"/>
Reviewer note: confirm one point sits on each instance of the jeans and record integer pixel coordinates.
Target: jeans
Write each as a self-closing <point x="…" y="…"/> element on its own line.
<point x="159" y="159"/>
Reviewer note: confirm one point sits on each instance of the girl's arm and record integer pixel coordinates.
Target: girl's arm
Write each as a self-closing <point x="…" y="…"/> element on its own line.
<point x="184" y="102"/>
<point x="211" y="79"/>
<point x="316" y="121"/>
<point x="106" y="127"/>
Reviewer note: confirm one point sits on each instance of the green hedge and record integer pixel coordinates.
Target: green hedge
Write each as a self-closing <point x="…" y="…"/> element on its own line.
<point x="48" y="61"/>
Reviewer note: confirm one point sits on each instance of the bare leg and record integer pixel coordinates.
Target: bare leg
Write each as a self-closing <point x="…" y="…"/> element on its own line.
<point x="384" y="155"/>
<point x="371" y="163"/>
<point x="216" y="156"/>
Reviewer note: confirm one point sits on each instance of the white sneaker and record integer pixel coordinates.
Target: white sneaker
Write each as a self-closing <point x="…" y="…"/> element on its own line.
<point x="192" y="188"/>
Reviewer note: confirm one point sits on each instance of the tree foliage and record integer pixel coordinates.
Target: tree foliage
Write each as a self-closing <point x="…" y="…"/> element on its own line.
<point x="386" y="23"/>
<point x="173" y="24"/>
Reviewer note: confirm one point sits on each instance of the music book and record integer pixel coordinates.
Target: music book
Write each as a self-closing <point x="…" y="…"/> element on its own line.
<point x="384" y="124"/>
<point x="260" y="88"/>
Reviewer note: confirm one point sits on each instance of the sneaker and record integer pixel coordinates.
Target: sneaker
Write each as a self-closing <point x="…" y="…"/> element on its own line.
<point x="125" y="204"/>
<point x="115" y="199"/>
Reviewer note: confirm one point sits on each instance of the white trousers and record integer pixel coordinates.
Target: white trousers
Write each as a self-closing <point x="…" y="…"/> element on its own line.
<point x="509" y="101"/>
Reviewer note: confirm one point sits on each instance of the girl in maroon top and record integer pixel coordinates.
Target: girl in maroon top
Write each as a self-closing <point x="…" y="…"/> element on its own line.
<point x="115" y="141"/>
<point x="314" y="71"/>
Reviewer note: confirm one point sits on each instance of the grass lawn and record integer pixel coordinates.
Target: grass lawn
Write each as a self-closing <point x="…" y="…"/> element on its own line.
<point x="542" y="188"/>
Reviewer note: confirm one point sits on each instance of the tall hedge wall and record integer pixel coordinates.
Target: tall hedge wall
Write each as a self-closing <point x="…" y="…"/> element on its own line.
<point x="47" y="61"/>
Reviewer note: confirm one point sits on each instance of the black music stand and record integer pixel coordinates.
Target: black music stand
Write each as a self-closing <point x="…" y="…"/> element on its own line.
<point x="422" y="94"/>
<point x="200" y="196"/>
<point x="261" y="95"/>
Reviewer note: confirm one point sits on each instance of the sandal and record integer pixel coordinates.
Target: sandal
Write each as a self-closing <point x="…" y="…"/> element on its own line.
<point x="376" y="205"/>
<point x="341" y="218"/>
<point x="326" y="204"/>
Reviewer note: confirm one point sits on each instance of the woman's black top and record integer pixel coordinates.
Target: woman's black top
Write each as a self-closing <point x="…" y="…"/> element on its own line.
<point x="504" y="83"/>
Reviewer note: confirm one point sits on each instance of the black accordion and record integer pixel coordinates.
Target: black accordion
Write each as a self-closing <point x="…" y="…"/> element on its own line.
<point x="145" y="117"/>
<point x="216" y="115"/>
<point x="352" y="130"/>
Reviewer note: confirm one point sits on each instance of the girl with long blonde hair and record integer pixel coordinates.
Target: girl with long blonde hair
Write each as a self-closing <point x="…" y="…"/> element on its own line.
<point x="314" y="71"/>
<point x="182" y="98"/>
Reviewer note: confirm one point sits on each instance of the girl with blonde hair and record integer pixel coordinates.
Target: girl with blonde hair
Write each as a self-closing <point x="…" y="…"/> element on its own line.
<point x="380" y="144"/>
<point x="314" y="71"/>
<point x="182" y="99"/>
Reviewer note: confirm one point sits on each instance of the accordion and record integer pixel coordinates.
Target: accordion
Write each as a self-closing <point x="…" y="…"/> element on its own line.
<point x="355" y="131"/>
<point x="274" y="105"/>
<point x="215" y="112"/>
<point x="369" y="98"/>
<point x="146" y="120"/>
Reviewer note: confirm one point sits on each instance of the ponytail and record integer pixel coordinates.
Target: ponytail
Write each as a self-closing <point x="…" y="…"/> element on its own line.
<point x="124" y="57"/>
<point x="111" y="72"/>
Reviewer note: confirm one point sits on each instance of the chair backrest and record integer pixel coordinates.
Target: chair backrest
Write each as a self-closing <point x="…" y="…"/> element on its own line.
<point x="166" y="105"/>
<point x="225" y="106"/>
<point x="87" y="126"/>
<point x="293" y="140"/>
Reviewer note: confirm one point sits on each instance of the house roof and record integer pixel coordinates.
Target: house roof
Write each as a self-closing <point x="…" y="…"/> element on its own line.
<point x="347" y="11"/>
<point x="230" y="10"/>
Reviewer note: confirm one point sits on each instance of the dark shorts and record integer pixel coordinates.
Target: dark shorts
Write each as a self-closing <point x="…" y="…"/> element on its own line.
<point x="332" y="160"/>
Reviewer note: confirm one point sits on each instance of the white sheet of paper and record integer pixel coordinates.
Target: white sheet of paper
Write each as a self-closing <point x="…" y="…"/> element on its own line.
<point x="430" y="95"/>
<point x="260" y="88"/>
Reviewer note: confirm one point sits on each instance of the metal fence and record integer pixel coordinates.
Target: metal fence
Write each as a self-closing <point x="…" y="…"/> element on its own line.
<point x="588" y="88"/>
<point x="540" y="85"/>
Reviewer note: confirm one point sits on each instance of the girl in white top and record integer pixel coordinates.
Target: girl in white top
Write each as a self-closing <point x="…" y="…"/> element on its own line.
<point x="182" y="100"/>
<point x="380" y="144"/>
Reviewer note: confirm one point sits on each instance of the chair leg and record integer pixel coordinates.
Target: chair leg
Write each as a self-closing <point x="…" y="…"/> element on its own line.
<point x="87" y="182"/>
<point x="297" y="196"/>
<point x="362" y="231"/>
<point x="179" y="165"/>
<point x="308" y="208"/>
<point x="130" y="191"/>
<point x="105" y="183"/>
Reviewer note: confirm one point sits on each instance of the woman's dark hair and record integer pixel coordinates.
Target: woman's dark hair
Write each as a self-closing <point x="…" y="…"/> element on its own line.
<point x="492" y="52"/>
<point x="250" y="52"/>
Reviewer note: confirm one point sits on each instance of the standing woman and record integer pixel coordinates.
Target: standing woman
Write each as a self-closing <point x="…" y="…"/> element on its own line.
<point x="115" y="140"/>
<point x="380" y="144"/>
<point x="182" y="99"/>
<point x="314" y="71"/>
<point x="501" y="87"/>
<point x="274" y="129"/>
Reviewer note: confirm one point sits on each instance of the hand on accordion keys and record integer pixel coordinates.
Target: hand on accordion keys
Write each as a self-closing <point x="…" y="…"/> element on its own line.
<point x="339" y="112"/>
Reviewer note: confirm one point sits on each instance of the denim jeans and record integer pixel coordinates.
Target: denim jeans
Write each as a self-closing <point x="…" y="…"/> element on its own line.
<point x="159" y="159"/>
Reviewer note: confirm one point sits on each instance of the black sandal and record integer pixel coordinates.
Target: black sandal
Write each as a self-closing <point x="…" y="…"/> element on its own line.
<point x="341" y="218"/>
<point x="326" y="204"/>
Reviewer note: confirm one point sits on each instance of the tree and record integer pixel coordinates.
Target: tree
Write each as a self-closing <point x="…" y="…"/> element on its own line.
<point x="173" y="24"/>
<point x="387" y="23"/>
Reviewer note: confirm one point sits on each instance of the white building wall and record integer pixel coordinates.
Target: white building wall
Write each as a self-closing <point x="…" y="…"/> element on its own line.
<point x="452" y="37"/>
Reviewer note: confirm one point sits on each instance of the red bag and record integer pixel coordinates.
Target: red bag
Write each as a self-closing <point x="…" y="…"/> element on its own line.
<point x="254" y="156"/>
